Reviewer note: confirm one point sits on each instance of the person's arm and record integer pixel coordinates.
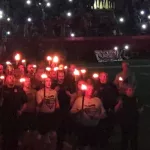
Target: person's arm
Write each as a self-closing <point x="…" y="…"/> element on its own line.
<point x="39" y="98"/>
<point x="24" y="103"/>
<point x="57" y="102"/>
<point x="118" y="105"/>
<point x="76" y="106"/>
<point x="116" y="80"/>
<point x="73" y="98"/>
<point x="101" y="113"/>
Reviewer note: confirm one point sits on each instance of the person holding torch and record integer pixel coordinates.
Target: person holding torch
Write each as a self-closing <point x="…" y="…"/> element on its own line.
<point x="88" y="111"/>
<point x="125" y="77"/>
<point x="47" y="106"/>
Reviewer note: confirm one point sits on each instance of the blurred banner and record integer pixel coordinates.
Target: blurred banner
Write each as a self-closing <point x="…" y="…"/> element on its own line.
<point x="106" y="55"/>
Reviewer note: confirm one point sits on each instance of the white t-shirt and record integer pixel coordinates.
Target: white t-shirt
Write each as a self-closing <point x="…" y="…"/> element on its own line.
<point x="92" y="110"/>
<point x="49" y="102"/>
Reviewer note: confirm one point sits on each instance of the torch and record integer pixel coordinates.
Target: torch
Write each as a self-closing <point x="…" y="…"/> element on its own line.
<point x="44" y="76"/>
<point x="48" y="69"/>
<point x="49" y="59"/>
<point x="22" y="80"/>
<point x="24" y="62"/>
<point x="83" y="88"/>
<point x="34" y="68"/>
<point x="17" y="58"/>
<point x="95" y="76"/>
<point x="76" y="74"/>
<point x="2" y="78"/>
<point x="55" y="60"/>
<point x="65" y="68"/>
<point x="83" y="72"/>
<point x="120" y="79"/>
<point x="8" y="63"/>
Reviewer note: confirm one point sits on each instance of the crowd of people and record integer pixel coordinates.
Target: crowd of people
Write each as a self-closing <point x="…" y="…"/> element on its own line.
<point x="62" y="103"/>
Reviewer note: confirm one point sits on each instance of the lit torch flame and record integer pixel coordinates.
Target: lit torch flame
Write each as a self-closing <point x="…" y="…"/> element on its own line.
<point x="56" y="68"/>
<point x="22" y="80"/>
<point x="120" y="79"/>
<point x="2" y="77"/>
<point x="76" y="72"/>
<point x="83" y="87"/>
<point x="83" y="71"/>
<point x="44" y="76"/>
<point x="65" y="67"/>
<point x="55" y="59"/>
<point x="23" y="61"/>
<point x="48" y="69"/>
<point x="8" y="63"/>
<point x="17" y="57"/>
<point x="49" y="58"/>
<point x="95" y="75"/>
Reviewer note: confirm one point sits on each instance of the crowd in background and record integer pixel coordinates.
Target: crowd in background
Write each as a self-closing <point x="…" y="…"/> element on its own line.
<point x="64" y="104"/>
<point x="85" y="20"/>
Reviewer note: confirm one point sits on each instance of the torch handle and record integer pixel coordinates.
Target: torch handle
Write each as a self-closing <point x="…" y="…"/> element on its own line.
<point x="83" y="101"/>
<point x="44" y="89"/>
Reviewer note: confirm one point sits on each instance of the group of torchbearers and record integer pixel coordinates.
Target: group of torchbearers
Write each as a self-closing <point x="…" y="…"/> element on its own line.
<point x="66" y="102"/>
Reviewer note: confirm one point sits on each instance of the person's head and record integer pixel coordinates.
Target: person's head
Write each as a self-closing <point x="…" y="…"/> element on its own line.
<point x="21" y="68"/>
<point x="80" y="82"/>
<point x="30" y="68"/>
<point x="53" y="74"/>
<point x="48" y="83"/>
<point x="72" y="68"/>
<point x="17" y="73"/>
<point x="129" y="91"/>
<point x="89" y="81"/>
<point x="1" y="69"/>
<point x="27" y="83"/>
<point x="61" y="76"/>
<point x="125" y="66"/>
<point x="103" y="77"/>
<point x="10" y="80"/>
<point x="89" y="91"/>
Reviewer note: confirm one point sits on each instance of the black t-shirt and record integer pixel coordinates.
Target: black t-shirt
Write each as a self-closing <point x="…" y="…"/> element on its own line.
<point x="13" y="100"/>
<point x="108" y="93"/>
<point x="64" y="99"/>
<point x="129" y="110"/>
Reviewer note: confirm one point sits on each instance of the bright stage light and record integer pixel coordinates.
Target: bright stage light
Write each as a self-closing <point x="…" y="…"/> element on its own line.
<point x="148" y="17"/>
<point x="70" y="1"/>
<point x="28" y="2"/>
<point x="69" y="14"/>
<point x="29" y="19"/>
<point x="8" y="32"/>
<point x="40" y="4"/>
<point x="116" y="48"/>
<point x="144" y="26"/>
<point x="121" y="20"/>
<point x="72" y="34"/>
<point x="142" y="12"/>
<point x="8" y="19"/>
<point x="126" y="47"/>
<point x="48" y="4"/>
<point x="1" y="14"/>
